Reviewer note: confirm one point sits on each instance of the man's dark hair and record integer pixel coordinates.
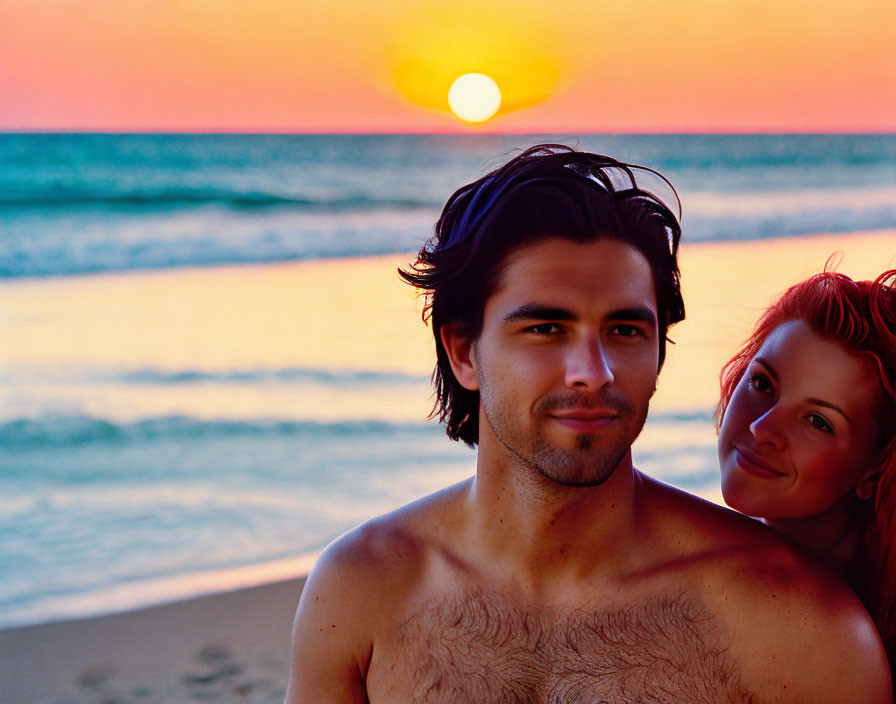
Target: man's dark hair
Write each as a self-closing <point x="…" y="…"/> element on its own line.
<point x="548" y="191"/>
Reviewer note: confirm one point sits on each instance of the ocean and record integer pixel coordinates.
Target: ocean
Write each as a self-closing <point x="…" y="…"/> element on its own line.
<point x="139" y="465"/>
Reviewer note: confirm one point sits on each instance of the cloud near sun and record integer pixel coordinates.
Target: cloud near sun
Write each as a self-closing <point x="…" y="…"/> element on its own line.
<point x="435" y="47"/>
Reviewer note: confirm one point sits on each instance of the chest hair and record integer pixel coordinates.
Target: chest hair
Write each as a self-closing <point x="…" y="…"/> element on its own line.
<point x="476" y="647"/>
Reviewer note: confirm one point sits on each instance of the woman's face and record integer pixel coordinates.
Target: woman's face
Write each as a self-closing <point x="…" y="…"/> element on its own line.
<point x="799" y="432"/>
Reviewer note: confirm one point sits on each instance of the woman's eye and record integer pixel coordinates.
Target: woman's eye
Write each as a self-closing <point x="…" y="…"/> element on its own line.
<point x="760" y="382"/>
<point x="819" y="423"/>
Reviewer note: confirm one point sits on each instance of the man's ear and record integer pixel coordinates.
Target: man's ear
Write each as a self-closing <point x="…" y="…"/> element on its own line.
<point x="460" y="352"/>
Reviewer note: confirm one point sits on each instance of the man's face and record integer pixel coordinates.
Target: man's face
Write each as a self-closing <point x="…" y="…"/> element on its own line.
<point x="566" y="361"/>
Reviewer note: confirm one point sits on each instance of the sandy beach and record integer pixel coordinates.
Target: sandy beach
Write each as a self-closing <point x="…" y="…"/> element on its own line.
<point x="229" y="647"/>
<point x="233" y="646"/>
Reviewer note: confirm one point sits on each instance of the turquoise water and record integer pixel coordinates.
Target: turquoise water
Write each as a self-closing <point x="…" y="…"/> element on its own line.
<point x="86" y="203"/>
<point x="116" y="490"/>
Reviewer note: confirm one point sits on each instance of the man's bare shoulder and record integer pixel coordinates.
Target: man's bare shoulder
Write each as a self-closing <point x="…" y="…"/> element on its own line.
<point x="795" y="627"/>
<point x="385" y="556"/>
<point x="799" y="627"/>
<point x="360" y="587"/>
<point x="387" y="547"/>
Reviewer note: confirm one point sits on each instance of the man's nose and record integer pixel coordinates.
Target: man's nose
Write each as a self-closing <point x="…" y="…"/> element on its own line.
<point x="587" y="365"/>
<point x="769" y="428"/>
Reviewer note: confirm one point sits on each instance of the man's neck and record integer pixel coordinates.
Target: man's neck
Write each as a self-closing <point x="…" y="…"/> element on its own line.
<point x="545" y="532"/>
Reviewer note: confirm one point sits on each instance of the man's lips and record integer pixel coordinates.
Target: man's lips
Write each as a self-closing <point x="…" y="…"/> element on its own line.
<point x="755" y="465"/>
<point x="585" y="419"/>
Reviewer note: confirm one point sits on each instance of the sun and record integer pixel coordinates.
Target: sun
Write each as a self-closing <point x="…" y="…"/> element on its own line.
<point x="474" y="97"/>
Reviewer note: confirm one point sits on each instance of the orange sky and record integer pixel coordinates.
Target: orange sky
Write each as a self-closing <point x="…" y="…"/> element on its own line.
<point x="350" y="65"/>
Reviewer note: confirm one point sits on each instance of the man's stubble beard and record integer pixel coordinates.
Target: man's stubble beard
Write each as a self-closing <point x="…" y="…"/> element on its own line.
<point x="583" y="466"/>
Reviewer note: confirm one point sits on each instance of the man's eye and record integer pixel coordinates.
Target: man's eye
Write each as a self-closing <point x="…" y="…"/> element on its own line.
<point x="627" y="331"/>
<point x="544" y="328"/>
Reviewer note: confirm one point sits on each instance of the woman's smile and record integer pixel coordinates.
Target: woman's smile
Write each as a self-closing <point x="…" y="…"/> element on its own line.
<point x="755" y="465"/>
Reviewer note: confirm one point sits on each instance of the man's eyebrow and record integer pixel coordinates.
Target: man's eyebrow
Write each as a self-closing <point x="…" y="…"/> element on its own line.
<point x="535" y="311"/>
<point x="638" y="314"/>
<point x="813" y="401"/>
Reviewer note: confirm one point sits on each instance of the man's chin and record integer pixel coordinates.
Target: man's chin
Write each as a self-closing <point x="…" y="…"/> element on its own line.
<point x="579" y="468"/>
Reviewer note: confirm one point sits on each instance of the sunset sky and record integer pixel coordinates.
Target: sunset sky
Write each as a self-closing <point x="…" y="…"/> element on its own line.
<point x="369" y="66"/>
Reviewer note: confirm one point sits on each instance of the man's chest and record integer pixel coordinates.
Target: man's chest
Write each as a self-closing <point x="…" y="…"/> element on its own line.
<point x="477" y="647"/>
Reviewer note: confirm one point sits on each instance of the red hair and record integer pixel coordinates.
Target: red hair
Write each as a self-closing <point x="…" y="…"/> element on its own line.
<point x="860" y="316"/>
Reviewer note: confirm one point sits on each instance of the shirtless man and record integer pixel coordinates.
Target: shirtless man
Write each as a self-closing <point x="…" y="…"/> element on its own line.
<point x="559" y="573"/>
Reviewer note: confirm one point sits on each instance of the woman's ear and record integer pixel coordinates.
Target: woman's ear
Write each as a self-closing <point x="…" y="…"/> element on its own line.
<point x="461" y="356"/>
<point x="865" y="487"/>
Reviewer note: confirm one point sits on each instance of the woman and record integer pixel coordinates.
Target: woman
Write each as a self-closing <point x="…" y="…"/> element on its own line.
<point x="806" y="430"/>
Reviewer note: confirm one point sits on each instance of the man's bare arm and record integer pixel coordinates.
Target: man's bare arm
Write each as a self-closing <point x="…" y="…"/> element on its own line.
<point x="330" y="648"/>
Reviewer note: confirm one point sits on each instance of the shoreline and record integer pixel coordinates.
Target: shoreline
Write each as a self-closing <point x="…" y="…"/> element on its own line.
<point x="840" y="240"/>
<point x="162" y="591"/>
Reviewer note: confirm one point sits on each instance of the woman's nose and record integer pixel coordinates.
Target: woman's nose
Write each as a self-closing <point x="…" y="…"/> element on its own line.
<point x="769" y="428"/>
